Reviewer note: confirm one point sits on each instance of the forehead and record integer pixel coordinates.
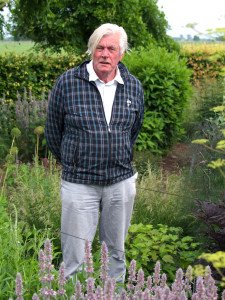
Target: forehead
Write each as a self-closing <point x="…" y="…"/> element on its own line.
<point x="110" y="39"/>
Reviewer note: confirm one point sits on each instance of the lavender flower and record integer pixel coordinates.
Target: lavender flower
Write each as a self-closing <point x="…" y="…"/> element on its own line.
<point x="183" y="295"/>
<point x="188" y="278"/>
<point x="140" y="279"/>
<point x="194" y="297"/>
<point x="19" y="287"/>
<point x="149" y="283"/>
<point x="45" y="262"/>
<point x="163" y="281"/>
<point x="104" y="263"/>
<point x="123" y="295"/>
<point x="109" y="289"/>
<point x="78" y="290"/>
<point x="35" y="297"/>
<point x="88" y="258"/>
<point x="223" y="295"/>
<point x="138" y="295"/>
<point x="177" y="286"/>
<point x="156" y="275"/>
<point x="200" y="288"/>
<point x="62" y="279"/>
<point x="132" y="275"/>
<point x="147" y="294"/>
<point x="90" y="288"/>
<point x="99" y="293"/>
<point x="211" y="289"/>
<point x="159" y="293"/>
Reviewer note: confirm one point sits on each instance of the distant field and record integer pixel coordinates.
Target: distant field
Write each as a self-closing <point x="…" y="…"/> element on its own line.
<point x="16" y="47"/>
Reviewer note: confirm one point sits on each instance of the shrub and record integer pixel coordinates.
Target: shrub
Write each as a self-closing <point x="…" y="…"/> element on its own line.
<point x="165" y="79"/>
<point x="148" y="244"/>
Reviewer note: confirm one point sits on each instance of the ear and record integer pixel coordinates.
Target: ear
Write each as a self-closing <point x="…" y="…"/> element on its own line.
<point x="122" y="56"/>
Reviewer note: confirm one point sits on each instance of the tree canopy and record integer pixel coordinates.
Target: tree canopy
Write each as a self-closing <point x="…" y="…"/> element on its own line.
<point x="69" y="23"/>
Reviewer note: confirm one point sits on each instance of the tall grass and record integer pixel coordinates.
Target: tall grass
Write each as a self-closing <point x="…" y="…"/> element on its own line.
<point x="164" y="199"/>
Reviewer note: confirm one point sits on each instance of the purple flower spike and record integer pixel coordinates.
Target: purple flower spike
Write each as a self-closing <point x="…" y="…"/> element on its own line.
<point x="188" y="278"/>
<point x="177" y="286"/>
<point x="104" y="263"/>
<point x="123" y="295"/>
<point x="62" y="279"/>
<point x="132" y="275"/>
<point x="88" y="258"/>
<point x="109" y="289"/>
<point x="149" y="283"/>
<point x="19" y="287"/>
<point x="99" y="293"/>
<point x="78" y="290"/>
<point x="35" y="297"/>
<point x="200" y="288"/>
<point x="156" y="275"/>
<point x="90" y="283"/>
<point x="163" y="281"/>
<point x="140" y="279"/>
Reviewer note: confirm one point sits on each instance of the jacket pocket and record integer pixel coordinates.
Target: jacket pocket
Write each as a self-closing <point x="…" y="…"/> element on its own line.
<point x="69" y="151"/>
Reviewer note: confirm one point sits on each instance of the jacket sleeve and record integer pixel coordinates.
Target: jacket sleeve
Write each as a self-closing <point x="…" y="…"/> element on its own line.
<point x="139" y="119"/>
<point x="55" y="120"/>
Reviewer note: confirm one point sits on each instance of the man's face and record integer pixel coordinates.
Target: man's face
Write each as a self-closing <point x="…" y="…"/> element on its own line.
<point x="106" y="57"/>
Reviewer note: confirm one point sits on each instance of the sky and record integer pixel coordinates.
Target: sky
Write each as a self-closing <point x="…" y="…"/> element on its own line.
<point x="209" y="14"/>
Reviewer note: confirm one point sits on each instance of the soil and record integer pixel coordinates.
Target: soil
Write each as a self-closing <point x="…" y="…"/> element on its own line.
<point x="178" y="158"/>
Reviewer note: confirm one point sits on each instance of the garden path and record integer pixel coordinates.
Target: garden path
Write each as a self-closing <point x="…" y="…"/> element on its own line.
<point x="177" y="158"/>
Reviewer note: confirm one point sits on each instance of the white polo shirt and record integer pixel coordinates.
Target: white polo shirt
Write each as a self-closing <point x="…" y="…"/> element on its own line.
<point x="107" y="90"/>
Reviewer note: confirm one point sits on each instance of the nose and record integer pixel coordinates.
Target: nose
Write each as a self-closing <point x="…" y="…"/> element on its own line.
<point x="105" y="52"/>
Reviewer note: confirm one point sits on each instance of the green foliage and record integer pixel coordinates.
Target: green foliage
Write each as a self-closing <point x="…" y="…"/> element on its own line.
<point x="60" y="24"/>
<point x="33" y="72"/>
<point x="167" y="89"/>
<point x="148" y="244"/>
<point x="35" y="192"/>
<point x="156" y="197"/>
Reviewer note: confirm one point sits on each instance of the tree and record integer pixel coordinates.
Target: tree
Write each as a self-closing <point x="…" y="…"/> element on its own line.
<point x="2" y="20"/>
<point x="68" y="23"/>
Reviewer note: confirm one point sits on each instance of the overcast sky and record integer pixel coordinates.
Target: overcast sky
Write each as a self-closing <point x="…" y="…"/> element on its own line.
<point x="209" y="14"/>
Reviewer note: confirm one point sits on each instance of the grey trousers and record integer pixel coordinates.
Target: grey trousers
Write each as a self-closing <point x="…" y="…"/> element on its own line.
<point x="81" y="205"/>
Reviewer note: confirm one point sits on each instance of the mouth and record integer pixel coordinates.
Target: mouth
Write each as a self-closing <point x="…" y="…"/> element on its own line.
<point x="104" y="63"/>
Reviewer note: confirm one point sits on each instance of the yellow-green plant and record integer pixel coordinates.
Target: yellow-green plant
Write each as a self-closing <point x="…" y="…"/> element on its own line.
<point x="220" y="147"/>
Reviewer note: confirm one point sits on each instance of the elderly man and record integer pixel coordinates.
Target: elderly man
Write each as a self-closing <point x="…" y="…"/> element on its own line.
<point x="94" y="116"/>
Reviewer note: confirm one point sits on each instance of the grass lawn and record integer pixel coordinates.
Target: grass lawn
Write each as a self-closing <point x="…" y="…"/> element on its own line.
<point x="16" y="47"/>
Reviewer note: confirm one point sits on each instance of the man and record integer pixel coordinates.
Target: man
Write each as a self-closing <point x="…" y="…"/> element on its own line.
<point x="94" y="116"/>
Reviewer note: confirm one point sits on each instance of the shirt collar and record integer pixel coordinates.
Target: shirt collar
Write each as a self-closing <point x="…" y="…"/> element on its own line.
<point x="93" y="76"/>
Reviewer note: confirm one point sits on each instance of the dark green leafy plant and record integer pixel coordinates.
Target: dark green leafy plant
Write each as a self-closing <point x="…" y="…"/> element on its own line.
<point x="147" y="244"/>
<point x="165" y="79"/>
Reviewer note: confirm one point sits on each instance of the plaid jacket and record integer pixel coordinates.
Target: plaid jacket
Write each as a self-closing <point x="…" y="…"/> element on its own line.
<point x="90" y="151"/>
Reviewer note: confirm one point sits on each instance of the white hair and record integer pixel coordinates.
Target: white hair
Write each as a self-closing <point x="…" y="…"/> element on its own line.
<point x="107" y="29"/>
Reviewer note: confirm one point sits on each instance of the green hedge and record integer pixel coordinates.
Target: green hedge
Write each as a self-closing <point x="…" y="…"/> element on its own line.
<point x="32" y="72"/>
